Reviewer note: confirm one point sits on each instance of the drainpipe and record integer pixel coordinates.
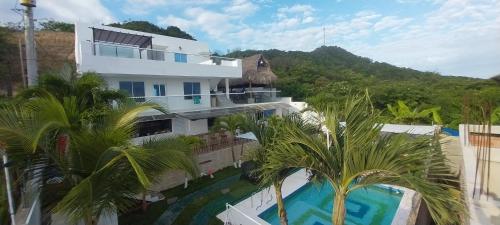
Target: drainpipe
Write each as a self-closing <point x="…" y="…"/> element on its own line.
<point x="9" y="189"/>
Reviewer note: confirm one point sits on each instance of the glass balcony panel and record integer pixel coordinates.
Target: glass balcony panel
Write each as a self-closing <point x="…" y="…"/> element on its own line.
<point x="125" y="52"/>
<point x="107" y="50"/>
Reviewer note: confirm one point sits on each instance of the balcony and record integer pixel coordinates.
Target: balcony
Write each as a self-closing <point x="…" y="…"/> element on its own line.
<point x="184" y="103"/>
<point x="121" y="59"/>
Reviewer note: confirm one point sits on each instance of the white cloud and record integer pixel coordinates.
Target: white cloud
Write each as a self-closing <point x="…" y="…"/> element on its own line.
<point x="171" y="20"/>
<point x="391" y="22"/>
<point x="298" y="12"/>
<point x="308" y="19"/>
<point x="143" y="7"/>
<point x="90" y="11"/>
<point x="298" y="8"/>
<point x="241" y="8"/>
<point x="459" y="38"/>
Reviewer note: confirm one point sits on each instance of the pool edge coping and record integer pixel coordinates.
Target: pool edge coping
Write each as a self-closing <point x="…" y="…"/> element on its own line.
<point x="252" y="208"/>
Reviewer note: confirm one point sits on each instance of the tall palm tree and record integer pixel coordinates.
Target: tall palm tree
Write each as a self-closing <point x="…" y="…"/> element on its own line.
<point x="233" y="124"/>
<point x="403" y="114"/>
<point x="101" y="169"/>
<point x="268" y="134"/>
<point x="358" y="156"/>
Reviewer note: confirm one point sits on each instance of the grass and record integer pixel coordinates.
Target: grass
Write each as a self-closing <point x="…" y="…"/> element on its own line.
<point x="212" y="203"/>
<point x="215" y="202"/>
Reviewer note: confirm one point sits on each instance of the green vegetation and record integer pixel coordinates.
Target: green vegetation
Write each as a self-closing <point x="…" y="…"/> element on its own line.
<point x="148" y="27"/>
<point x="356" y="155"/>
<point x="216" y="199"/>
<point x="269" y="134"/>
<point x="403" y="114"/>
<point x="328" y="74"/>
<point x="144" y="26"/>
<point x="231" y="124"/>
<point x="70" y="127"/>
<point x="58" y="26"/>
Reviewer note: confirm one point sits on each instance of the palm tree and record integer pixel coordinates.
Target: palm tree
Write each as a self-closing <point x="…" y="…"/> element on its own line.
<point x="268" y="132"/>
<point x="233" y="124"/>
<point x="403" y="114"/>
<point x="358" y="156"/>
<point x="101" y="169"/>
<point x="93" y="100"/>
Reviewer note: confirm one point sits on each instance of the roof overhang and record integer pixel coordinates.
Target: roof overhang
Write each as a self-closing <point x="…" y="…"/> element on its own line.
<point x="122" y="38"/>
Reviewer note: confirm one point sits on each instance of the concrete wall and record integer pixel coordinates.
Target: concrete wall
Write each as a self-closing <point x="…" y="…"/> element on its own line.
<point x="482" y="210"/>
<point x="470" y="140"/>
<point x="213" y="161"/>
<point x="197" y="126"/>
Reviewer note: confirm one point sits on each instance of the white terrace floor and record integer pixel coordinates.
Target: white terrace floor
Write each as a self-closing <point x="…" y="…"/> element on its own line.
<point x="247" y="211"/>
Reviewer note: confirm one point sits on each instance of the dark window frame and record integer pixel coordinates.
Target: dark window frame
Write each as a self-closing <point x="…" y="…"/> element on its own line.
<point x="192" y="89"/>
<point x="134" y="89"/>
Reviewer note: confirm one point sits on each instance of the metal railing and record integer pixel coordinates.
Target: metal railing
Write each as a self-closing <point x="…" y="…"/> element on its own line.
<point x="131" y="52"/>
<point x="174" y="102"/>
<point x="236" y="216"/>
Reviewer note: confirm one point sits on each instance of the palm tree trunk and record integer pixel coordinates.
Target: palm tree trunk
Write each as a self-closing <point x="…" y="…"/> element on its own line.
<point x="89" y="220"/>
<point x="280" y="203"/>
<point x="232" y="152"/>
<point x="338" y="213"/>
<point x="144" y="203"/>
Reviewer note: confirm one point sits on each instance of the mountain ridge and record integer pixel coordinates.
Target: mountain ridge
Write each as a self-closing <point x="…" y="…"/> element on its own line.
<point x="329" y="73"/>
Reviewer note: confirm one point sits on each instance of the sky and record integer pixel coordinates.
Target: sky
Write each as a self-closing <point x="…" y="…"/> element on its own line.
<point x="452" y="37"/>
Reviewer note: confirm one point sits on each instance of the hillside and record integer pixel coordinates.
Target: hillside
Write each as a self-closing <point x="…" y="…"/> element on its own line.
<point x="329" y="73"/>
<point x="54" y="50"/>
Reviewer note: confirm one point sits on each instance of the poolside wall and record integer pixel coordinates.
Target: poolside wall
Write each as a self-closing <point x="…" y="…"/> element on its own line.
<point x="214" y="160"/>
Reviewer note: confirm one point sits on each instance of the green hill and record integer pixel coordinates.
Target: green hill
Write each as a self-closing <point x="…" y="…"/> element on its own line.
<point x="329" y="73"/>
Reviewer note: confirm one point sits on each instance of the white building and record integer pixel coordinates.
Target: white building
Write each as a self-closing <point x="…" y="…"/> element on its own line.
<point x="179" y="74"/>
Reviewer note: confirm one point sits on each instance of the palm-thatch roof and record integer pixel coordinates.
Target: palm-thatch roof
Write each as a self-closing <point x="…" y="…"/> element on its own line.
<point x="256" y="70"/>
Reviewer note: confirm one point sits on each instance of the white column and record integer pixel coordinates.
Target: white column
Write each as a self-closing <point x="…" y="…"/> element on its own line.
<point x="227" y="88"/>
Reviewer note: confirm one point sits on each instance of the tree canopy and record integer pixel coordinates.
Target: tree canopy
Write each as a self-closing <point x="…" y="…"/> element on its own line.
<point x="144" y="26"/>
<point x="58" y="26"/>
<point x="329" y="73"/>
<point x="148" y="27"/>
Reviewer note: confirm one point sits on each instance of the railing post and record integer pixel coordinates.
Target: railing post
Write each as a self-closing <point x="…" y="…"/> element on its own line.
<point x="9" y="188"/>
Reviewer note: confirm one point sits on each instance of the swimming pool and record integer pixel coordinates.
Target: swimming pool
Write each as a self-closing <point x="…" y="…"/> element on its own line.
<point x="312" y="204"/>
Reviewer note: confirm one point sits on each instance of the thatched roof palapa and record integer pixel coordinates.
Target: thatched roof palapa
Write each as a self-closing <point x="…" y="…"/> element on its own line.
<point x="256" y="70"/>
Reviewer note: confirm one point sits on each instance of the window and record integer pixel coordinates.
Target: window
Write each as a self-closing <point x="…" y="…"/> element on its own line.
<point x="158" y="90"/>
<point x="179" y="57"/>
<point x="133" y="89"/>
<point x="154" y="127"/>
<point x="192" y="89"/>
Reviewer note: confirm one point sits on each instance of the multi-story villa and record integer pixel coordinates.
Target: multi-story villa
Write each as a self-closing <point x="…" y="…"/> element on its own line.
<point x="179" y="74"/>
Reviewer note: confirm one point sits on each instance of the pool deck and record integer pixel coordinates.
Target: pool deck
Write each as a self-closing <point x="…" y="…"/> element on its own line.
<point x="263" y="200"/>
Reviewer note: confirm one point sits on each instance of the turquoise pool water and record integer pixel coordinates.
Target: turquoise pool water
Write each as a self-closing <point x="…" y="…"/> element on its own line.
<point x="312" y="205"/>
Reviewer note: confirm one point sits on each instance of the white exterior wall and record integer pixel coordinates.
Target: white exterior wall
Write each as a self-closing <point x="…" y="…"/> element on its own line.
<point x="198" y="60"/>
<point x="174" y="90"/>
<point x="198" y="126"/>
<point x="179" y="126"/>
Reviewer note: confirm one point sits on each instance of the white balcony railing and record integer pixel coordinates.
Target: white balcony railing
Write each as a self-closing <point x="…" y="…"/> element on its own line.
<point x="130" y="52"/>
<point x="201" y="101"/>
